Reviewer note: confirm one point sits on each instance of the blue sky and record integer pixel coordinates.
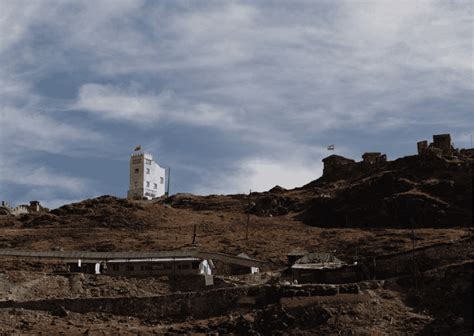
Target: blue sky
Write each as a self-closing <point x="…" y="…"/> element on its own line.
<point x="232" y="95"/>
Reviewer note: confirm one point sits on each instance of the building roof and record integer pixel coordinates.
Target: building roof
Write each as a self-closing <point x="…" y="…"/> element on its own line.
<point x="109" y="256"/>
<point x="317" y="266"/>
<point x="318" y="260"/>
<point x="339" y="158"/>
<point x="442" y="136"/>
<point x="371" y="154"/>
<point x="119" y="261"/>
<point x="153" y="260"/>
<point x="319" y="257"/>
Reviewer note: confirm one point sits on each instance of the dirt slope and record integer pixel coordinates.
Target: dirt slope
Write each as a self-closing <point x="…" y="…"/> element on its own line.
<point x="374" y="211"/>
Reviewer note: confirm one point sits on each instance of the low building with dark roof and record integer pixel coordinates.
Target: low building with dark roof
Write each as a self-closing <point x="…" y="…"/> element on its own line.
<point x="239" y="269"/>
<point x="294" y="255"/>
<point x="333" y="163"/>
<point x="374" y="157"/>
<point x="325" y="268"/>
<point x="147" y="263"/>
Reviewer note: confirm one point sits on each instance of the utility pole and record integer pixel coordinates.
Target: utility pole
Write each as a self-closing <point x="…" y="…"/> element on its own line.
<point x="413" y="237"/>
<point x="374" y="265"/>
<point x="194" y="235"/>
<point x="248" y="217"/>
<point x="168" y="182"/>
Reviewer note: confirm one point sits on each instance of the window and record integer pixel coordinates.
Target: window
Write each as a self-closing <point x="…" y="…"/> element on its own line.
<point x="158" y="267"/>
<point x="115" y="267"/>
<point x="196" y="264"/>
<point x="136" y="161"/>
<point x="130" y="268"/>
<point x="136" y="184"/>
<point x="137" y="170"/>
<point x="148" y="184"/>
<point x="148" y="162"/>
<point x="162" y="180"/>
<point x="185" y="266"/>
<point x="148" y="170"/>
<point x="155" y="185"/>
<point x="145" y="268"/>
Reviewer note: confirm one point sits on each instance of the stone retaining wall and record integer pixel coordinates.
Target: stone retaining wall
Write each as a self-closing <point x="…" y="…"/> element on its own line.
<point x="179" y="306"/>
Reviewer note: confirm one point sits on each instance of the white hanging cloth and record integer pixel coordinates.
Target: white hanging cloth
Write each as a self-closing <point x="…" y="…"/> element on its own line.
<point x="205" y="268"/>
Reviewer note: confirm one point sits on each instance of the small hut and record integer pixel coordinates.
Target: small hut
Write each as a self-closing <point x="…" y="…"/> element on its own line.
<point x="334" y="162"/>
<point x="324" y="268"/>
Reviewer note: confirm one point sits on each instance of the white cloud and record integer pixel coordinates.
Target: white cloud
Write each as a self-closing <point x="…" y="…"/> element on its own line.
<point x="115" y="103"/>
<point x="463" y="140"/>
<point x="127" y="104"/>
<point x="51" y="186"/>
<point x="24" y="130"/>
<point x="262" y="174"/>
<point x="273" y="78"/>
<point x="15" y="19"/>
<point x="333" y="66"/>
<point x="24" y="173"/>
<point x="37" y="176"/>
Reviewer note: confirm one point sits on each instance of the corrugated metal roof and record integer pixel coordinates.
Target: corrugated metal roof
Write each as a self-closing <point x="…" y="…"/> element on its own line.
<point x="153" y="260"/>
<point x="319" y="258"/>
<point x="97" y="255"/>
<point x="107" y="256"/>
<point x="320" y="266"/>
<point x="229" y="259"/>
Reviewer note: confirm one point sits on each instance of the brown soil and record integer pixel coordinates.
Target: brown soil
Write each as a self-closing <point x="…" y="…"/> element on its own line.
<point x="374" y="211"/>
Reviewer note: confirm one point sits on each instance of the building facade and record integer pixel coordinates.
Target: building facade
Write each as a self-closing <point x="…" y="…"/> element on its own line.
<point x="139" y="267"/>
<point x="334" y="163"/>
<point x="440" y="146"/>
<point x="147" y="178"/>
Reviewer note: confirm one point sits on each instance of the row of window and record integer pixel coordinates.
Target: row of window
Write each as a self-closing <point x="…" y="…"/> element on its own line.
<point x="166" y="266"/>
<point x="138" y="161"/>
<point x="137" y="170"/>
<point x="155" y="186"/>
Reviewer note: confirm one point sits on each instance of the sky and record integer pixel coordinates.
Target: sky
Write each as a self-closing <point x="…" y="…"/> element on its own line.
<point x="231" y="95"/>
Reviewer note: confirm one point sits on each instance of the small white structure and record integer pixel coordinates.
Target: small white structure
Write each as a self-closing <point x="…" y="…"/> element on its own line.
<point x="147" y="178"/>
<point x="205" y="268"/>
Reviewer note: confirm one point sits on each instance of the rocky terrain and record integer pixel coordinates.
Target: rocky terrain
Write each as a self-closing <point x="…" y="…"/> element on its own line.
<point x="408" y="220"/>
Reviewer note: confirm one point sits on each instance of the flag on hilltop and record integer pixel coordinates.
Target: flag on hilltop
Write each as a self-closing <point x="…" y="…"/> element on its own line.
<point x="138" y="148"/>
<point x="331" y="147"/>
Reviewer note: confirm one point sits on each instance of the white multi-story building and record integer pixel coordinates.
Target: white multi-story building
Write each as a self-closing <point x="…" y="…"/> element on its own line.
<point x="147" y="178"/>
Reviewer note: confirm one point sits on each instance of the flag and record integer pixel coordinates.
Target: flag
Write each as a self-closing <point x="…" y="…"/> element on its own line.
<point x="331" y="147"/>
<point x="138" y="148"/>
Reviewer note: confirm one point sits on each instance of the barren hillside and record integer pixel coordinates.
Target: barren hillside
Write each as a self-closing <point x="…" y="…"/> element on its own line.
<point x="371" y="212"/>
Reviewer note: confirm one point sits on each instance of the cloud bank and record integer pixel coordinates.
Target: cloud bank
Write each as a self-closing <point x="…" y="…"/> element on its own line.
<point x="234" y="95"/>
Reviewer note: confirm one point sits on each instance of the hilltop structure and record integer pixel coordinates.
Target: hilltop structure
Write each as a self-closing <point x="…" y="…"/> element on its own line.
<point x="147" y="178"/>
<point x="441" y="145"/>
<point x="335" y="162"/>
<point x="34" y="206"/>
<point x="339" y="166"/>
<point x="374" y="157"/>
